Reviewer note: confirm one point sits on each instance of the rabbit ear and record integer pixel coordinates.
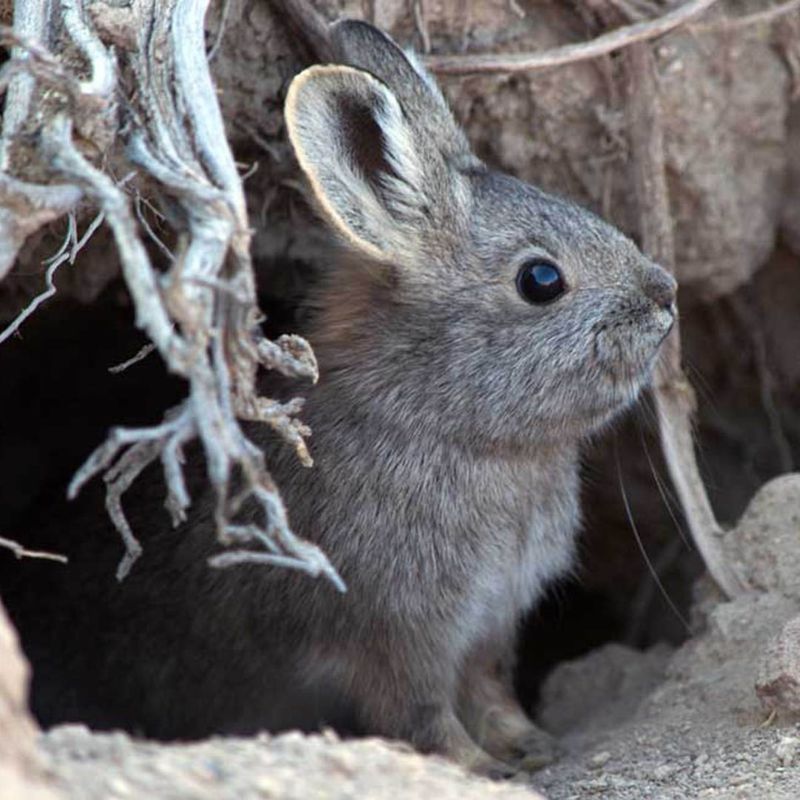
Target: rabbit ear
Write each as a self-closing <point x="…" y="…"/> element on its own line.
<point x="361" y="45"/>
<point x="365" y="166"/>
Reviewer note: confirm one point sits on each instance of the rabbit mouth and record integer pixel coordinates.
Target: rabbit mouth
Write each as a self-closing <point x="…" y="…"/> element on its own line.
<point x="664" y="335"/>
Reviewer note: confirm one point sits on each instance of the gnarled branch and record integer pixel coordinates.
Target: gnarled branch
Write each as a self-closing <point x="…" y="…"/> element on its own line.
<point x="201" y="313"/>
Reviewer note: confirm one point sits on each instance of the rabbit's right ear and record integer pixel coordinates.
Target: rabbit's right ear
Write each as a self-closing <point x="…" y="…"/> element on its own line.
<point x="360" y="154"/>
<point x="358" y="44"/>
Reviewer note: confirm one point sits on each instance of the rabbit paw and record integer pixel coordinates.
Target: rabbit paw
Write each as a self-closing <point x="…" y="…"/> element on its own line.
<point x="528" y="751"/>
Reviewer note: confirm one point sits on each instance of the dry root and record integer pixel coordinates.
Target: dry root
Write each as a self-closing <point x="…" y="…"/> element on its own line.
<point x="674" y="396"/>
<point x="200" y="313"/>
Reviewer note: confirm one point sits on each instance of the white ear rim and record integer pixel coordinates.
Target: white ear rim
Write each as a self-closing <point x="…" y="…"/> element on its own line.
<point x="391" y="121"/>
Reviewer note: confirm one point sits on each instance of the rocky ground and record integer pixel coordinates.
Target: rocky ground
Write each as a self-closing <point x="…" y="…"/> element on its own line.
<point x="715" y="718"/>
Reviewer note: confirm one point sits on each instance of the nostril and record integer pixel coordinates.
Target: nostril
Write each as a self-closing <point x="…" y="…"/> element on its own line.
<point x="661" y="288"/>
<point x="668" y="305"/>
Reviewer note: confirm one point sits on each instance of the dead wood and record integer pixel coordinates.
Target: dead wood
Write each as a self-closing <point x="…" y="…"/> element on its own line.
<point x="674" y="396"/>
<point x="201" y="313"/>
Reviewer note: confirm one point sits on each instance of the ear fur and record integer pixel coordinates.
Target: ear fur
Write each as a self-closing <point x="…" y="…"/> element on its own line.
<point x="361" y="45"/>
<point x="350" y="138"/>
<point x="376" y="182"/>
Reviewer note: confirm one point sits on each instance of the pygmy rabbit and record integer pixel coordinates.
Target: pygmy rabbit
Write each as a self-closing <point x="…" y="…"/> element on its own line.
<point x="476" y="333"/>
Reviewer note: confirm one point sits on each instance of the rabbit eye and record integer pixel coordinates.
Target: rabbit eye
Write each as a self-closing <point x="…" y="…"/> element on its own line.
<point x="540" y="281"/>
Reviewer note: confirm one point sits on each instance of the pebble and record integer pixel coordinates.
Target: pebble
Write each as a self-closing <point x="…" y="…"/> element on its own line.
<point x="664" y="771"/>
<point x="595" y="786"/>
<point x="600" y="759"/>
<point x="268" y="786"/>
<point x="119" y="787"/>
<point x="787" y="750"/>
<point x="343" y="761"/>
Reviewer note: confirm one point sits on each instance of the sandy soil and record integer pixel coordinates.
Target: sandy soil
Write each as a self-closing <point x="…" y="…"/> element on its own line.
<point x="679" y="743"/>
<point x="634" y="726"/>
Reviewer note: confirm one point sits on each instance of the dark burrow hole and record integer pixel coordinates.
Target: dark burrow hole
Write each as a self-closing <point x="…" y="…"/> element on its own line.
<point x="58" y="399"/>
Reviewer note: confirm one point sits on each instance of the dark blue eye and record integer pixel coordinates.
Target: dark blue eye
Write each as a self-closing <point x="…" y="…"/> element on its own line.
<point x="540" y="281"/>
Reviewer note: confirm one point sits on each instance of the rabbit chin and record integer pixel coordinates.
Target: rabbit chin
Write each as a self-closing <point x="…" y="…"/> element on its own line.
<point x="617" y="388"/>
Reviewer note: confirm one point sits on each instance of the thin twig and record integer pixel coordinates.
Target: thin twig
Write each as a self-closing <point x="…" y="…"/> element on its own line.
<point x="421" y="24"/>
<point x="26" y="312"/>
<point x="133" y="449"/>
<point x="21" y="552"/>
<point x="674" y="397"/>
<point x="137" y="204"/>
<point x="70" y="238"/>
<point x="25" y="207"/>
<point x="140" y="356"/>
<point x="517" y="8"/>
<point x="139" y="275"/>
<point x="102" y="61"/>
<point x="568" y="54"/>
<point x="311" y="26"/>
<point x="223" y="21"/>
<point x="50" y="289"/>
<point x="232" y="558"/>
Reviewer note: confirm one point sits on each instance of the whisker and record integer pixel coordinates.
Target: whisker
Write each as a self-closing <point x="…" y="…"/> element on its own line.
<point x="699" y="381"/>
<point x="645" y="412"/>
<point x="640" y="544"/>
<point x="669" y="498"/>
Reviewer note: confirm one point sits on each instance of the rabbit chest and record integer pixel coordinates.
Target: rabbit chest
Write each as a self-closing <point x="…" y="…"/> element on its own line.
<point x="531" y="544"/>
<point x="427" y="534"/>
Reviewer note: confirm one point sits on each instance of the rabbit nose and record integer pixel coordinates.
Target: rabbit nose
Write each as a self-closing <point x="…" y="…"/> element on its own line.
<point x="660" y="287"/>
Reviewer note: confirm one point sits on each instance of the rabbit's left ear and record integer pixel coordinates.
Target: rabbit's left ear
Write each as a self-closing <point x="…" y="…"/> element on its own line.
<point x="381" y="187"/>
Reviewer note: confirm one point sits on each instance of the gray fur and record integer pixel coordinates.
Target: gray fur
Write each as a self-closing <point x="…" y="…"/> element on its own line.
<point x="447" y="424"/>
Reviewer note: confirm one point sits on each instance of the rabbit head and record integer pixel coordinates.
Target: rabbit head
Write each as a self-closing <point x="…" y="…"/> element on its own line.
<point x="477" y="304"/>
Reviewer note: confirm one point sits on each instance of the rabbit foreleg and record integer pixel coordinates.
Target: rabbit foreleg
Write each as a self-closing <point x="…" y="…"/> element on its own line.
<point x="491" y="712"/>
